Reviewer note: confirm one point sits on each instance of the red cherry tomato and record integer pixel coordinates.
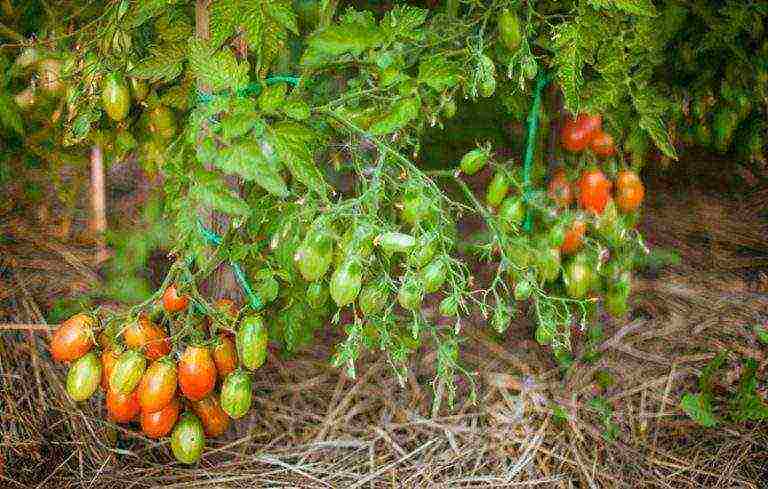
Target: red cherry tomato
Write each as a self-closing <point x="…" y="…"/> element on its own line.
<point x="594" y="190"/>
<point x="158" y="386"/>
<point x="197" y="372"/>
<point x="574" y="237"/>
<point x="172" y="301"/>
<point x="122" y="408"/>
<point x="225" y="356"/>
<point x="559" y="189"/>
<point x="576" y="134"/>
<point x="215" y="420"/>
<point x="629" y="191"/>
<point x="159" y="423"/>
<point x="73" y="338"/>
<point x="602" y="144"/>
<point x="148" y="336"/>
<point x="108" y="359"/>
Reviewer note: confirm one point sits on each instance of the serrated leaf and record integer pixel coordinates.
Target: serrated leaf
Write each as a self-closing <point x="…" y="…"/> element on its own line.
<point x="652" y="121"/>
<point x="228" y="17"/>
<point x="219" y="70"/>
<point x="177" y="97"/>
<point x="282" y="12"/>
<point x="144" y="11"/>
<point x="635" y="7"/>
<point x="247" y="161"/>
<point x="699" y="408"/>
<point x="212" y="192"/>
<point x="236" y="125"/>
<point x="292" y="143"/>
<point x="333" y="41"/>
<point x="272" y="98"/>
<point x="403" y="112"/>
<point x="10" y="119"/>
<point x="404" y="21"/>
<point x="569" y="61"/>
<point x="297" y="109"/>
<point x="164" y="63"/>
<point x="439" y="73"/>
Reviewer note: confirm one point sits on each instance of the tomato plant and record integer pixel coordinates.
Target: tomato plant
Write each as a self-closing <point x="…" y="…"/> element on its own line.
<point x="594" y="190"/>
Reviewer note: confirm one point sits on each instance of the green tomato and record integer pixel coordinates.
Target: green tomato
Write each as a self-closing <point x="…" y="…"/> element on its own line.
<point x="127" y="372"/>
<point x="544" y="334"/>
<point x="188" y="439"/>
<point x="358" y="241"/>
<point x="251" y="341"/>
<point x="84" y="376"/>
<point x="314" y="256"/>
<point x="497" y="189"/>
<point x="548" y="264"/>
<point x="502" y="315"/>
<point x="416" y="207"/>
<point x="449" y="307"/>
<point x="433" y="275"/>
<point x="373" y="298"/>
<point x="424" y="251"/>
<point x="346" y="282"/>
<point x="236" y="394"/>
<point x="317" y="295"/>
<point x="411" y="294"/>
<point x="139" y="88"/>
<point x="473" y="161"/>
<point x="578" y="277"/>
<point x="511" y="213"/>
<point x="449" y="108"/>
<point x="115" y="97"/>
<point x="396" y="242"/>
<point x="162" y="122"/>
<point x="509" y="30"/>
<point x="523" y="290"/>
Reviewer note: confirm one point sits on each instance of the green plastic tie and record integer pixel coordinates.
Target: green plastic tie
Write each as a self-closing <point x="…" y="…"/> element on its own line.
<point x="530" y="145"/>
<point x="252" y="89"/>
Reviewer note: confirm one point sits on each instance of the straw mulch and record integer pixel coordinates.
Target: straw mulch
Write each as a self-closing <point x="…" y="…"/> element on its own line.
<point x="312" y="426"/>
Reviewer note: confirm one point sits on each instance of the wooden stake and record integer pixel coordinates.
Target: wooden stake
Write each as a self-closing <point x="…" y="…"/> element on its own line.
<point x="99" y="201"/>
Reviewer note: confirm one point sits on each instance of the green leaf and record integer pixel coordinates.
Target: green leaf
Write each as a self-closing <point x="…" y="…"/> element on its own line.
<point x="247" y="161"/>
<point x="272" y="98"/>
<point x="438" y="73"/>
<point x="652" y="120"/>
<point x="144" y="11"/>
<point x="10" y="119"/>
<point x="297" y="109"/>
<point x="403" y="112"/>
<point x="164" y="63"/>
<point x="212" y="191"/>
<point x="353" y="37"/>
<point x="748" y="405"/>
<point x="282" y="12"/>
<point x="228" y="17"/>
<point x="635" y="7"/>
<point x="705" y="381"/>
<point x="291" y="143"/>
<point x="569" y="61"/>
<point x="762" y="334"/>
<point x="699" y="408"/>
<point x="404" y="21"/>
<point x="219" y="70"/>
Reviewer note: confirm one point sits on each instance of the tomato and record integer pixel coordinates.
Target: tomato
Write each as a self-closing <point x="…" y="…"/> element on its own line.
<point x="433" y="275"/>
<point x="314" y="256"/>
<point x="519" y="252"/>
<point x="346" y="282"/>
<point x="172" y="301"/>
<point x="497" y="189"/>
<point x="358" y="240"/>
<point x="629" y="191"/>
<point x="577" y="277"/>
<point x="127" y="372"/>
<point x="26" y="98"/>
<point x="523" y="290"/>
<point x="83" y="377"/>
<point x="509" y="30"/>
<point x="115" y="97"/>
<point x="215" y="420"/>
<point x="188" y="439"/>
<point x="225" y="356"/>
<point x="122" y="408"/>
<point x="373" y="298"/>
<point x="545" y="333"/>
<point x="159" y="423"/>
<point x="411" y="294"/>
<point x="158" y="386"/>
<point x="602" y="144"/>
<point x="511" y="213"/>
<point x="559" y="189"/>
<point x="139" y="88"/>
<point x="425" y="248"/>
<point x="610" y="226"/>
<point x="548" y="264"/>
<point x="252" y="339"/>
<point x="556" y="234"/>
<point x="73" y="338"/>
<point x="416" y="207"/>
<point x="227" y="306"/>
<point x="162" y="122"/>
<point x="594" y="190"/>
<point x="197" y="372"/>
<point x="108" y="360"/>
<point x="317" y="294"/>
<point x="396" y="242"/>
<point x="576" y="134"/>
<point x="502" y="315"/>
<point x="148" y="336"/>
<point x="449" y="307"/>
<point x="236" y="394"/>
<point x="574" y="237"/>
<point x="473" y="161"/>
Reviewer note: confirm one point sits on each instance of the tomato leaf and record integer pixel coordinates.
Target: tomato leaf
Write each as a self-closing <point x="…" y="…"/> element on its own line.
<point x="297" y="109"/>
<point x="10" y="119"/>
<point x="635" y="7"/>
<point x="403" y="21"/>
<point x="282" y="13"/>
<point x="230" y="16"/>
<point x="164" y="63"/>
<point x="292" y="142"/>
<point x="217" y="69"/>
<point x="356" y="34"/>
<point x="247" y="161"/>
<point x="652" y="120"/>
<point x="438" y="73"/>
<point x="272" y="98"/>
<point x="403" y="112"/>
<point x="748" y="405"/>
<point x="212" y="191"/>
<point x="569" y="61"/>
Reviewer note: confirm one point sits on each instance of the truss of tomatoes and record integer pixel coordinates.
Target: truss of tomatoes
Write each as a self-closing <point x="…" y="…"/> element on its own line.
<point x="144" y="383"/>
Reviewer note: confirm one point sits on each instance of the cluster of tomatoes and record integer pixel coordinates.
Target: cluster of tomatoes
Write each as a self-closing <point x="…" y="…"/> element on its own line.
<point x="166" y="392"/>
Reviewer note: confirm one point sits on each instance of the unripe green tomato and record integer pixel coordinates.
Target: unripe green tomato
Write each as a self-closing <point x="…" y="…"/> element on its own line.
<point x="358" y="241"/>
<point x="523" y="290"/>
<point x="162" y="122"/>
<point x="548" y="265"/>
<point x="393" y="242"/>
<point x="509" y="30"/>
<point x="188" y="439"/>
<point x="373" y="298"/>
<point x="416" y="207"/>
<point x="501" y="317"/>
<point x="449" y="108"/>
<point x="346" y="282"/>
<point x="511" y="213"/>
<point x="317" y="295"/>
<point x="433" y="275"/>
<point x="251" y="341"/>
<point x="127" y="372"/>
<point x="424" y="251"/>
<point x="411" y="294"/>
<point x="84" y="376"/>
<point x="473" y="161"/>
<point x="488" y="87"/>
<point x="314" y="256"/>
<point x="236" y="394"/>
<point x="449" y="307"/>
<point x="577" y="277"/>
<point x="115" y="97"/>
<point x="497" y="189"/>
<point x="544" y="334"/>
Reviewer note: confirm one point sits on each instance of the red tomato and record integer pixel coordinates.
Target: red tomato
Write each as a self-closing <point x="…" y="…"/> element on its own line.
<point x="594" y="190"/>
<point x="225" y="356"/>
<point x="574" y="237"/>
<point x="108" y="359"/>
<point x="602" y="144"/>
<point x="148" y="336"/>
<point x="158" y="386"/>
<point x="629" y="191"/>
<point x="197" y="372"/>
<point x="560" y="190"/>
<point x="73" y="338"/>
<point x="122" y="408"/>
<point x="172" y="301"/>
<point x="159" y="423"/>
<point x="215" y="420"/>
<point x="576" y="134"/>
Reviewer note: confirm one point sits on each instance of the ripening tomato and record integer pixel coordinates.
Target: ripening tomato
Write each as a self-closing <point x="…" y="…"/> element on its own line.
<point x="573" y="237"/>
<point x="115" y="97"/>
<point x="159" y="423"/>
<point x="188" y="439"/>
<point x="594" y="190"/>
<point x="560" y="190"/>
<point x="215" y="420"/>
<point x="83" y="377"/>
<point x="236" y="394"/>
<point x="251" y="341"/>
<point x="411" y="294"/>
<point x="197" y="372"/>
<point x="158" y="386"/>
<point x="148" y="336"/>
<point x="577" y="277"/>
<point x="602" y="144"/>
<point x="629" y="191"/>
<point x="127" y="372"/>
<point x="73" y="338"/>
<point x="576" y="134"/>
<point x="172" y="301"/>
<point x="227" y="306"/>
<point x="225" y="356"/>
<point x="122" y="408"/>
<point x="108" y="360"/>
<point x="314" y="256"/>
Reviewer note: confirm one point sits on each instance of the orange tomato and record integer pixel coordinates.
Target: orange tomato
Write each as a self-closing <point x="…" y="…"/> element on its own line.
<point x="108" y="359"/>
<point x="73" y="338"/>
<point x="594" y="190"/>
<point x="122" y="408"/>
<point x="576" y="134"/>
<point x="602" y="144"/>
<point x="573" y="237"/>
<point x="629" y="191"/>
<point x="159" y="423"/>
<point x="197" y="372"/>
<point x="215" y="420"/>
<point x="148" y="336"/>
<point x="172" y="301"/>
<point x="559" y="189"/>
<point x="225" y="355"/>
<point x="158" y="386"/>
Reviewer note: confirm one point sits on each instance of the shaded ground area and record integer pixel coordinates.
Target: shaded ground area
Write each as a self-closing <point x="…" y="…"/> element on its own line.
<point x="311" y="426"/>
